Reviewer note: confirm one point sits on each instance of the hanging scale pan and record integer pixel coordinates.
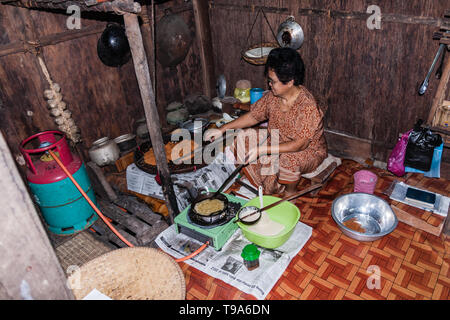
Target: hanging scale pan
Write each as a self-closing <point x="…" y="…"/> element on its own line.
<point x="290" y="34"/>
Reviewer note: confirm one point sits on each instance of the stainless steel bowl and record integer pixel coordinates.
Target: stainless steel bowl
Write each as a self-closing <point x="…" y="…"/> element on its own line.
<point x="373" y="214"/>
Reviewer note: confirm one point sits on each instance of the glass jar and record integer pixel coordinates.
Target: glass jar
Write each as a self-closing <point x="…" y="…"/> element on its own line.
<point x="250" y="255"/>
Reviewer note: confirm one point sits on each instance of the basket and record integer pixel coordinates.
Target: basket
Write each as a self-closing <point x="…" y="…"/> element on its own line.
<point x="131" y="274"/>
<point x="258" y="60"/>
<point x="365" y="181"/>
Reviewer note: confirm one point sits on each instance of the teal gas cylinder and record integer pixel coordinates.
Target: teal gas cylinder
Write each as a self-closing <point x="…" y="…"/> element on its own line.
<point x="64" y="209"/>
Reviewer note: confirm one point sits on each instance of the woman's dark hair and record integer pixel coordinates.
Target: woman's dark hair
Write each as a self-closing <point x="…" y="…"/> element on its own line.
<point x="287" y="65"/>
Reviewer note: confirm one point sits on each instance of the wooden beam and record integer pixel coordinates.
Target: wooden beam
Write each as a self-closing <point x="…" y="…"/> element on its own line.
<point x="446" y="227"/>
<point x="335" y="14"/>
<point x="29" y="266"/>
<point x="116" y="6"/>
<point x="148" y="35"/>
<point x="415" y="222"/>
<point x="16" y="47"/>
<point x="203" y="30"/>
<point x="440" y="92"/>
<point x="151" y="114"/>
<point x="347" y="146"/>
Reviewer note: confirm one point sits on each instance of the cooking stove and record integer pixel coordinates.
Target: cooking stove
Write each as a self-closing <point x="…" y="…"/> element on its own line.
<point x="218" y="233"/>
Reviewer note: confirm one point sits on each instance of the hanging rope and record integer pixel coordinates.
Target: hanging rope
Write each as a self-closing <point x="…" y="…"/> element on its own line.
<point x="261" y="59"/>
<point x="58" y="108"/>
<point x="260" y="10"/>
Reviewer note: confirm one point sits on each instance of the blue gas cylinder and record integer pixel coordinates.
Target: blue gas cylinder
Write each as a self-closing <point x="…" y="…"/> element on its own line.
<point x="64" y="209"/>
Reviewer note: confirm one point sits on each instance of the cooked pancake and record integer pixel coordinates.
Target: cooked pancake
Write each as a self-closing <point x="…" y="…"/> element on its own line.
<point x="209" y="206"/>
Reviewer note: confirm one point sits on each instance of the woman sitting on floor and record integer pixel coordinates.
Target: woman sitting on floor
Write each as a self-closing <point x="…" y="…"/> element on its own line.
<point x="294" y="119"/>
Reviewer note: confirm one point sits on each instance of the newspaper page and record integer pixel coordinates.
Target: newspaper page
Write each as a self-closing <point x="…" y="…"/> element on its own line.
<point x="212" y="177"/>
<point x="227" y="264"/>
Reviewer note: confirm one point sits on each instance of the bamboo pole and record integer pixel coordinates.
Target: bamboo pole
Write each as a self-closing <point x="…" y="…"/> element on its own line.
<point x="151" y="114"/>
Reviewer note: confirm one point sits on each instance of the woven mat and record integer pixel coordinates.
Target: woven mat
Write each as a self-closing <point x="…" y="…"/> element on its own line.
<point x="137" y="273"/>
<point x="80" y="249"/>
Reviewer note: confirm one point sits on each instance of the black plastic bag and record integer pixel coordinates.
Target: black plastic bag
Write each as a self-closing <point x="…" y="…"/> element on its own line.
<point x="420" y="148"/>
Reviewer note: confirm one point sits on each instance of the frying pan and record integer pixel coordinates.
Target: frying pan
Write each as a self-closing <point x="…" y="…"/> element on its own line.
<point x="205" y="195"/>
<point x="213" y="217"/>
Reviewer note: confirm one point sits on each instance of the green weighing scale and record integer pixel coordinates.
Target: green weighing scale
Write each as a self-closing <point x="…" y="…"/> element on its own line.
<point x="217" y="235"/>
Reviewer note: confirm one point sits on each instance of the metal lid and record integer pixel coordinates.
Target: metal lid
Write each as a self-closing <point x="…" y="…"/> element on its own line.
<point x="100" y="141"/>
<point x="124" y="137"/>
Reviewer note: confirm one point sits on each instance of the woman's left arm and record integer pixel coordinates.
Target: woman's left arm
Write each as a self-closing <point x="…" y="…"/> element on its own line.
<point x="291" y="146"/>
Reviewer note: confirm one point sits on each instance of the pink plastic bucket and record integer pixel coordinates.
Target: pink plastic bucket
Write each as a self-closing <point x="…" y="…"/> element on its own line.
<point x="365" y="181"/>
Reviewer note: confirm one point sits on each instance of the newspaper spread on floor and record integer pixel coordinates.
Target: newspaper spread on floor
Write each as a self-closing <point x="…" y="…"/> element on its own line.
<point x="227" y="264"/>
<point x="212" y="176"/>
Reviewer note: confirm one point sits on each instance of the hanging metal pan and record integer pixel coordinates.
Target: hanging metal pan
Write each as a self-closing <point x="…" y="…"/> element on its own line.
<point x="290" y="34"/>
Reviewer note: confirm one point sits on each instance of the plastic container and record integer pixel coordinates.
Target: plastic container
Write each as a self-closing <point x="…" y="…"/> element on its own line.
<point x="250" y="255"/>
<point x="365" y="181"/>
<point x="285" y="213"/>
<point x="255" y="94"/>
<point x="242" y="94"/>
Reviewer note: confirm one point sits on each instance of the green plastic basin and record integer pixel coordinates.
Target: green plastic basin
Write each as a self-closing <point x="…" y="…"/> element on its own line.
<point x="285" y="213"/>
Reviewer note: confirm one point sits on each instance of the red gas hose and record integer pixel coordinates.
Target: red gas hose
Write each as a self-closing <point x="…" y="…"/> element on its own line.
<point x="89" y="200"/>
<point x="105" y="219"/>
<point x="193" y="254"/>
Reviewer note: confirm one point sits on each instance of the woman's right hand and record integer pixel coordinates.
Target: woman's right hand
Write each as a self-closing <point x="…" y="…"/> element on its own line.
<point x="212" y="134"/>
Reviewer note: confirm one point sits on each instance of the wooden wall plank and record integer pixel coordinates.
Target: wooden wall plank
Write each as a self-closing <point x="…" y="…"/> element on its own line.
<point x="30" y="268"/>
<point x="368" y="78"/>
<point x="176" y="83"/>
<point x="96" y="94"/>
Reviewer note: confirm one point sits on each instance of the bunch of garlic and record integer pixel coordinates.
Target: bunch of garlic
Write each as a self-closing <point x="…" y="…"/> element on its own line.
<point x="63" y="117"/>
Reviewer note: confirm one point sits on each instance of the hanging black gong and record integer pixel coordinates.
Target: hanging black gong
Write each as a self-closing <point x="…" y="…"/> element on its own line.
<point x="112" y="46"/>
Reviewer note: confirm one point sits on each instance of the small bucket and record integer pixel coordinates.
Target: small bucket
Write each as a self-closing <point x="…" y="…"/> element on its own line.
<point x="365" y="181"/>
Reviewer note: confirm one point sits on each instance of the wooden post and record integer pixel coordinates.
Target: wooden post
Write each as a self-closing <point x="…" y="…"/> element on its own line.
<point x="440" y="92"/>
<point x="446" y="228"/>
<point x="151" y="114"/>
<point x="29" y="266"/>
<point x="149" y="45"/>
<point x="203" y="30"/>
<point x="148" y="36"/>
